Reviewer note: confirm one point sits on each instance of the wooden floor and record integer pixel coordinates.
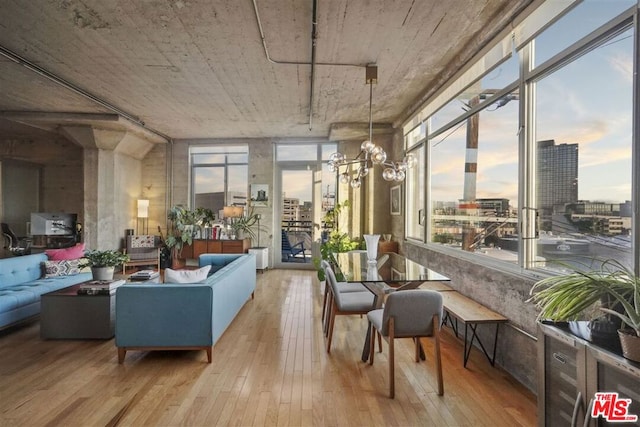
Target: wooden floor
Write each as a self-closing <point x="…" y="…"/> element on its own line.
<point x="269" y="368"/>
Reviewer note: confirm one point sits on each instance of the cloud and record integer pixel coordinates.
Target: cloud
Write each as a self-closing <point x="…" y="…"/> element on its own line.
<point x="623" y="65"/>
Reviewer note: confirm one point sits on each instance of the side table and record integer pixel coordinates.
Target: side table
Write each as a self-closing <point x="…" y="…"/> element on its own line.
<point x="262" y="258"/>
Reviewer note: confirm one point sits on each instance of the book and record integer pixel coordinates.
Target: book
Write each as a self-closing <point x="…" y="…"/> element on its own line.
<point x="144" y="275"/>
<point x="101" y="285"/>
<point x="90" y="291"/>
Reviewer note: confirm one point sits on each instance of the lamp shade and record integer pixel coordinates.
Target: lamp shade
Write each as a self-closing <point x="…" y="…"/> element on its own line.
<point x="143" y="208"/>
<point x="233" y="211"/>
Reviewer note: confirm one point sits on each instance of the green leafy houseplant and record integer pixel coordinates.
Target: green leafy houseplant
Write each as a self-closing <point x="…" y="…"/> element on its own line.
<point x="183" y="222"/>
<point x="336" y="241"/>
<point x="629" y="299"/>
<point x="108" y="258"/>
<point x="245" y="224"/>
<point x="613" y="290"/>
<point x="582" y="295"/>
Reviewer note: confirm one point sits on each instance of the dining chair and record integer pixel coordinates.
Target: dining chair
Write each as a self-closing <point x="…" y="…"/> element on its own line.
<point x="408" y="314"/>
<point x="342" y="287"/>
<point x="345" y="303"/>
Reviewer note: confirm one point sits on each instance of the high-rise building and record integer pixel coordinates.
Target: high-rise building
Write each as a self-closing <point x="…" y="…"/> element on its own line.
<point x="557" y="183"/>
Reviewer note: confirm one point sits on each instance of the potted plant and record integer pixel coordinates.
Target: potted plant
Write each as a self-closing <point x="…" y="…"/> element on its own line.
<point x="207" y="218"/>
<point x="181" y="229"/>
<point x="243" y="226"/>
<point x="103" y="263"/>
<point x="628" y="297"/>
<point x="590" y="301"/>
<point x="334" y="241"/>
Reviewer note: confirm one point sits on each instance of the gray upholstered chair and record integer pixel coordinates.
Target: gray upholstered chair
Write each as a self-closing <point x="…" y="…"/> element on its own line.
<point x="143" y="250"/>
<point x="408" y="314"/>
<point x="342" y="287"/>
<point x="344" y="303"/>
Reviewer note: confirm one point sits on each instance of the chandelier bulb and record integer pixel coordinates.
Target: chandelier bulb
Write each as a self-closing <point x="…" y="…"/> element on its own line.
<point x="379" y="156"/>
<point x="400" y="175"/>
<point x="389" y="174"/>
<point x="409" y="160"/>
<point x="355" y="183"/>
<point x="344" y="178"/>
<point x="367" y="146"/>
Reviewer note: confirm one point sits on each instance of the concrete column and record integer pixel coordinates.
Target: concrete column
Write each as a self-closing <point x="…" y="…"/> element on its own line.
<point x="112" y="184"/>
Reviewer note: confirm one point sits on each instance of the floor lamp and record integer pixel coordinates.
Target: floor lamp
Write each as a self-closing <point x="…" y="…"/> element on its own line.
<point x="143" y="215"/>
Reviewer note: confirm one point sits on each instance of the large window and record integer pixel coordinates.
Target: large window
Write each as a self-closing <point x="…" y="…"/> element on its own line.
<point x="218" y="176"/>
<point x="583" y="150"/>
<point x="529" y="161"/>
<point x="474" y="180"/>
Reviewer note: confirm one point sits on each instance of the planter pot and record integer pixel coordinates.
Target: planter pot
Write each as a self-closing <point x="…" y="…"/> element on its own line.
<point x="102" y="273"/>
<point x="630" y="344"/>
<point x="602" y="332"/>
<point x="178" y="263"/>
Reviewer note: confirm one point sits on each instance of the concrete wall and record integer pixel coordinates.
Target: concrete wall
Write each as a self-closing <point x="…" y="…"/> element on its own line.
<point x="61" y="168"/>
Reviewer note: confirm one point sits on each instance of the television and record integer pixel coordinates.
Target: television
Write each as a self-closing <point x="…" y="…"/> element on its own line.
<point x="53" y="224"/>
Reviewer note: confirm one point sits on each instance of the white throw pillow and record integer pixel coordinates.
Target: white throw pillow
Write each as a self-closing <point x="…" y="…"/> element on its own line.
<point x="186" y="276"/>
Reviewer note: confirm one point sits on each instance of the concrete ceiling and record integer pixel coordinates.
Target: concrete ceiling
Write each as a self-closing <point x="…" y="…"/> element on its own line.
<point x="198" y="68"/>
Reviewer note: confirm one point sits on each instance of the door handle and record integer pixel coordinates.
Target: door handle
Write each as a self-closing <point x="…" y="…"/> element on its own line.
<point x="576" y="407"/>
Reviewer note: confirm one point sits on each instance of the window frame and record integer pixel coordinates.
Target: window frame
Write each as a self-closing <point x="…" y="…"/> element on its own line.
<point x="526" y="138"/>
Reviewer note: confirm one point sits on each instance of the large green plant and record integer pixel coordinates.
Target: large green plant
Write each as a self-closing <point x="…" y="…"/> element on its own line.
<point x="246" y="224"/>
<point x="628" y="296"/>
<point x="181" y="227"/>
<point x="108" y="258"/>
<point x="336" y="241"/>
<point x="586" y="295"/>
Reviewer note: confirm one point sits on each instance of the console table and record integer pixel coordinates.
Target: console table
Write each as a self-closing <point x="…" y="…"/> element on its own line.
<point x="211" y="246"/>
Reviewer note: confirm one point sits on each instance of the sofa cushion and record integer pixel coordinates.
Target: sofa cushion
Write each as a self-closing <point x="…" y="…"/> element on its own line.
<point x="21" y="269"/>
<point x="66" y="267"/>
<point x="73" y="252"/>
<point x="186" y="276"/>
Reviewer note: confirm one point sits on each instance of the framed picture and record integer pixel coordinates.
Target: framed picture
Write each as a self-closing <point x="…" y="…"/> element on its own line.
<point x="396" y="200"/>
<point x="260" y="195"/>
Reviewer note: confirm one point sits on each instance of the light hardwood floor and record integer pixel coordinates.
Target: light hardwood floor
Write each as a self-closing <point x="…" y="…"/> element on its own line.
<point x="269" y="368"/>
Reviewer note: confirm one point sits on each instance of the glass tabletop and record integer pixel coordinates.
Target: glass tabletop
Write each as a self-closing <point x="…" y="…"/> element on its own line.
<point x="389" y="268"/>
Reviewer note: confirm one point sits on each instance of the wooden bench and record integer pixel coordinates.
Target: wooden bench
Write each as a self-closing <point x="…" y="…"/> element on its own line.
<point x="471" y="313"/>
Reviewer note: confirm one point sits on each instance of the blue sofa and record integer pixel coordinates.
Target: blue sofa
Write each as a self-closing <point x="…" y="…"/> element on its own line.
<point x="21" y="284"/>
<point x="174" y="316"/>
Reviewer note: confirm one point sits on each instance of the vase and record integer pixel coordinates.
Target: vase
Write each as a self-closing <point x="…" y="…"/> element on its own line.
<point x="102" y="273"/>
<point x="630" y="344"/>
<point x="372" y="246"/>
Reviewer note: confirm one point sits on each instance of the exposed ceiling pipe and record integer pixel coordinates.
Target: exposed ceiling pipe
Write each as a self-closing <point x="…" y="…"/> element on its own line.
<point x="314" y="35"/>
<point x="68" y="85"/>
<point x="279" y="62"/>
<point x="313" y="63"/>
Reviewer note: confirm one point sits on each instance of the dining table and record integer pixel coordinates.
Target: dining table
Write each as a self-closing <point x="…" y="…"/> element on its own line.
<point x="389" y="272"/>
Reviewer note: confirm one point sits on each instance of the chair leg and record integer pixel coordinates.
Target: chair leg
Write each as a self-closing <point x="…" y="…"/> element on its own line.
<point x="324" y="301"/>
<point x="379" y="342"/>
<point x="332" y="318"/>
<point x="417" y="352"/>
<point x="436" y="335"/>
<point x="372" y="343"/>
<point x="392" y="376"/>
<point x="328" y="313"/>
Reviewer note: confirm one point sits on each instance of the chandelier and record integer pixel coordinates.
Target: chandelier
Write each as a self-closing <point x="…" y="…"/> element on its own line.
<point x="370" y="153"/>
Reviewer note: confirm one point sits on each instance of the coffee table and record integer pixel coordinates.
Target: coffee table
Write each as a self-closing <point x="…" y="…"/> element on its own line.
<point x="66" y="315"/>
